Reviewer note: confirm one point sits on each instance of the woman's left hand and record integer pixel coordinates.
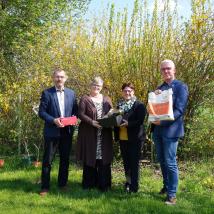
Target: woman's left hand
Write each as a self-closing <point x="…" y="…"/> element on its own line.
<point x="125" y="123"/>
<point x="96" y="124"/>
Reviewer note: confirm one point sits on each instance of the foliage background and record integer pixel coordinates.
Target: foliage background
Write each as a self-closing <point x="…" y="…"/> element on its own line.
<point x="35" y="38"/>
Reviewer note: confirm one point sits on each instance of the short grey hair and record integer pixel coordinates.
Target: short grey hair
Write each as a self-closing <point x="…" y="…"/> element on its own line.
<point x="97" y="80"/>
<point x="167" y="61"/>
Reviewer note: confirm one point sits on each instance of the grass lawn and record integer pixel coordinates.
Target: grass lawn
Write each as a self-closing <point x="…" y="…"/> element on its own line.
<point x="19" y="192"/>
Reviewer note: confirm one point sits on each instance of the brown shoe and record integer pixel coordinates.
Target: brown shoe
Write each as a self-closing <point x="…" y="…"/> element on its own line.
<point x="170" y="201"/>
<point x="43" y="192"/>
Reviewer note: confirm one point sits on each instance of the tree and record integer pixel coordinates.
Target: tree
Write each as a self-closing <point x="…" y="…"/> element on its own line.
<point x="24" y="25"/>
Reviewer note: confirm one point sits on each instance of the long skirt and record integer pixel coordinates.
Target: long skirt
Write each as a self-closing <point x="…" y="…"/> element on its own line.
<point x="98" y="176"/>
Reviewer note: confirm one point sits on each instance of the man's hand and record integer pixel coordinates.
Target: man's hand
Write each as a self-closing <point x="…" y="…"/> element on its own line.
<point x="96" y="124"/>
<point x="125" y="123"/>
<point x="158" y="91"/>
<point x="157" y="123"/>
<point x="58" y="123"/>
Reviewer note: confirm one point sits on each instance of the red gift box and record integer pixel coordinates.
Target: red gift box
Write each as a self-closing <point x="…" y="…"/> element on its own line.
<point x="67" y="121"/>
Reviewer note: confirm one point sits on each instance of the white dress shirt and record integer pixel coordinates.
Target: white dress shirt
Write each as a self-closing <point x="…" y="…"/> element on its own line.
<point x="61" y="100"/>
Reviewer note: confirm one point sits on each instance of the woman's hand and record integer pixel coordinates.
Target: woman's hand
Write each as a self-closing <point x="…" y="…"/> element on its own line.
<point x="96" y="124"/>
<point x="124" y="123"/>
<point x="158" y="91"/>
<point x="113" y="111"/>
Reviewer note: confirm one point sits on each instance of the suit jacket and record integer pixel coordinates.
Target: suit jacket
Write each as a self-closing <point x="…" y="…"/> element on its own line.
<point x="173" y="129"/>
<point x="49" y="110"/>
<point x="135" y="129"/>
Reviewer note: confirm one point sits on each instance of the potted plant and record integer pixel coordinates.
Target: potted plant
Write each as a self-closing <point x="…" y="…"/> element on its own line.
<point x="1" y="163"/>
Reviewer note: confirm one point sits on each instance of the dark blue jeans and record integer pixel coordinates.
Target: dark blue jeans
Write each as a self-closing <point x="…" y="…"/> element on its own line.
<point x="166" y="149"/>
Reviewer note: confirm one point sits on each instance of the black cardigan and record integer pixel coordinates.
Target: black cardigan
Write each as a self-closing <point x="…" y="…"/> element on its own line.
<point x="135" y="117"/>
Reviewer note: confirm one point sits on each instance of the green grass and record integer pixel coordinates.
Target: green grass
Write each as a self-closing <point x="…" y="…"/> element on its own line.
<point x="19" y="192"/>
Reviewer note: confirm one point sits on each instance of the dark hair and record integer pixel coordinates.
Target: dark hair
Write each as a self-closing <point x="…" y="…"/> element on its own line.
<point x="128" y="84"/>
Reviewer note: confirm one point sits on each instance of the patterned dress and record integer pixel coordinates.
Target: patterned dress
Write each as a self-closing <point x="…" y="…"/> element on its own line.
<point x="99" y="107"/>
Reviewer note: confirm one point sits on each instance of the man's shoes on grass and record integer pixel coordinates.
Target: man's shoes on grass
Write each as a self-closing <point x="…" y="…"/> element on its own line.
<point x="170" y="201"/>
<point x="43" y="192"/>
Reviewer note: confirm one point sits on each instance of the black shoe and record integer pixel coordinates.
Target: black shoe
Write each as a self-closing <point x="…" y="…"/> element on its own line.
<point x="163" y="191"/>
<point x="127" y="187"/>
<point x="104" y="189"/>
<point x="133" y="189"/>
<point x="130" y="191"/>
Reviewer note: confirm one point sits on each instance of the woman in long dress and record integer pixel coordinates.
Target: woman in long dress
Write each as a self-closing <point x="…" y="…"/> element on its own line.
<point x="94" y="143"/>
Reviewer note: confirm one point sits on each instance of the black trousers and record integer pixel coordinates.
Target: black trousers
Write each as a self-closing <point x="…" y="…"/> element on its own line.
<point x="130" y="152"/>
<point x="63" y="144"/>
<point x="98" y="176"/>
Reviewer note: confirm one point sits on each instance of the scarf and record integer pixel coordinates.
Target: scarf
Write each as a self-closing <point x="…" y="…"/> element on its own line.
<point x="125" y="106"/>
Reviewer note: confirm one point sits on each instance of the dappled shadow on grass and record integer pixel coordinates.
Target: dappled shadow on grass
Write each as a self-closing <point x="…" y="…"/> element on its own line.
<point x="77" y="200"/>
<point x="147" y="202"/>
<point x="114" y="201"/>
<point x="75" y="190"/>
<point x="16" y="185"/>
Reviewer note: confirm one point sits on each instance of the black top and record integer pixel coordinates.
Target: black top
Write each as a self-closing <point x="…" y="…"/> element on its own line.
<point x="135" y="117"/>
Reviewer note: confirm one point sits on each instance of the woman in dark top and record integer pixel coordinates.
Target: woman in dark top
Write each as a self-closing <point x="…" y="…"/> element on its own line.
<point x="130" y="135"/>
<point x="94" y="143"/>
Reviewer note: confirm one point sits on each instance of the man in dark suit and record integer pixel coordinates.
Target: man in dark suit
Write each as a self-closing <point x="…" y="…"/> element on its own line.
<point x="56" y="102"/>
<point x="167" y="133"/>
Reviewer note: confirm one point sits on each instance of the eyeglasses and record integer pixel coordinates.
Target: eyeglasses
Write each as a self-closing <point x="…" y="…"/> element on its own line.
<point x="59" y="77"/>
<point x="166" y="68"/>
<point x="127" y="91"/>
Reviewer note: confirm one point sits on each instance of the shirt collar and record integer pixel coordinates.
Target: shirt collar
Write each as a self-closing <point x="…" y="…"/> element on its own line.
<point x="60" y="90"/>
<point x="170" y="84"/>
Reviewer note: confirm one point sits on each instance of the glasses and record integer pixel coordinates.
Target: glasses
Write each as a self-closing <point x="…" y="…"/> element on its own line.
<point x="127" y="91"/>
<point x="59" y="77"/>
<point x="166" y="68"/>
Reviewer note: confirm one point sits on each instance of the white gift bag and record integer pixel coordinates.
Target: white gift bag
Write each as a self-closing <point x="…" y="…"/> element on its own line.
<point x="160" y="106"/>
